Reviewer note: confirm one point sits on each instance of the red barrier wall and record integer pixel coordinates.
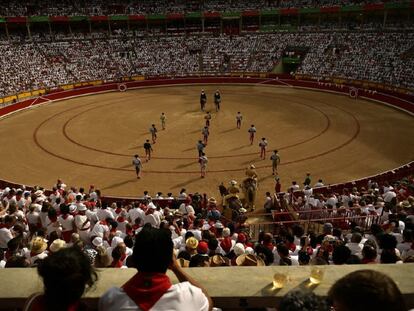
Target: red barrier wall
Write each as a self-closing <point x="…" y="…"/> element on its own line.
<point x="402" y="101"/>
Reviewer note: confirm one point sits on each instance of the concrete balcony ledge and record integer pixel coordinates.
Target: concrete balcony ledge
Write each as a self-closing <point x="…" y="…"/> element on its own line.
<point x="230" y="287"/>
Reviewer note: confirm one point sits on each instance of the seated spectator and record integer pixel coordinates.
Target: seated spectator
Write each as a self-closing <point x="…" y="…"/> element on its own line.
<point x="66" y="275"/>
<point x="390" y="256"/>
<point x="285" y="258"/>
<point x="151" y="288"/>
<point x="366" y="290"/>
<point x="102" y="259"/>
<point x="355" y="245"/>
<point x="17" y="262"/>
<point x="340" y="254"/>
<point x="302" y="300"/>
<point x="369" y="254"/>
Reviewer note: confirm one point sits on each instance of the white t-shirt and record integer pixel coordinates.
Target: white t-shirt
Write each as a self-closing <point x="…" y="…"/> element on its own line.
<point x="135" y="213"/>
<point x="5" y="237"/>
<point x="33" y="218"/>
<point x="103" y="214"/>
<point x="181" y="296"/>
<point x="186" y="209"/>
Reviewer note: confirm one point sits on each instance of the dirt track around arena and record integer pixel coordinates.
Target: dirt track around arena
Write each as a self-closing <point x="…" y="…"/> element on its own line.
<point x="91" y="140"/>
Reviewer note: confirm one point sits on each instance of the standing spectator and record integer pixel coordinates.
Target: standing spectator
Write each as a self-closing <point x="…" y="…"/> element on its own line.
<point x="5" y="231"/>
<point x="66" y="220"/>
<point x="268" y="205"/>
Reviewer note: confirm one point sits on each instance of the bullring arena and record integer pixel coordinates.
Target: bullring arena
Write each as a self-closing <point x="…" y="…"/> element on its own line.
<point x="91" y="139"/>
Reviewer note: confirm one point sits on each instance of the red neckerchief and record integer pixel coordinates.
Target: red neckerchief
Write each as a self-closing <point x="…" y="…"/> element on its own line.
<point x="118" y="210"/>
<point x="118" y="263"/>
<point x="103" y="222"/>
<point x="65" y="216"/>
<point x="145" y="289"/>
<point x="3" y="226"/>
<point x="309" y="250"/>
<point x="292" y="247"/>
<point x="120" y="219"/>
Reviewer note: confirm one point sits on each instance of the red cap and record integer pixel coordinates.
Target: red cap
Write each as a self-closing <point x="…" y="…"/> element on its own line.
<point x="202" y="247"/>
<point x="226" y="244"/>
<point x="241" y="238"/>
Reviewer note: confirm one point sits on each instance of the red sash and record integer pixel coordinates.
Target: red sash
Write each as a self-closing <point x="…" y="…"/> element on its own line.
<point x="145" y="289"/>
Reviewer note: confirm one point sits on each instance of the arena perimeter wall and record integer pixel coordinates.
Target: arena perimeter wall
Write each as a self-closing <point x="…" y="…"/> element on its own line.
<point x="397" y="100"/>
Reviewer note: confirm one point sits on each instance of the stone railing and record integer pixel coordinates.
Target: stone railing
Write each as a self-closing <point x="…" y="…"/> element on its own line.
<point x="232" y="288"/>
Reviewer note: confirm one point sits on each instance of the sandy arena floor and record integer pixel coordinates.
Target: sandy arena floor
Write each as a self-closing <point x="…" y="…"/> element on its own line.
<point x="91" y="140"/>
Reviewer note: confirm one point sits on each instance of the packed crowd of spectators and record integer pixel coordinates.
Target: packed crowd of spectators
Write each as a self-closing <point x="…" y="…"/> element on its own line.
<point x="100" y="7"/>
<point x="379" y="57"/>
<point x="361" y="56"/>
<point x="33" y="225"/>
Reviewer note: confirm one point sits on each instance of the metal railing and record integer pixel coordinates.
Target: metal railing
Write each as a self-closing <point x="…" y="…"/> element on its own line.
<point x="313" y="220"/>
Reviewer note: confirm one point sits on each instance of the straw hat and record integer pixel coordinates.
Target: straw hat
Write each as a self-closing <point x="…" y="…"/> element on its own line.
<point x="219" y="261"/>
<point x="191" y="243"/>
<point x="212" y="200"/>
<point x="249" y="260"/>
<point x="57" y="245"/>
<point x="39" y="245"/>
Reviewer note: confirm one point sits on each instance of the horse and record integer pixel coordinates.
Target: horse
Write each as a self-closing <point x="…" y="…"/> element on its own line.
<point x="249" y="187"/>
